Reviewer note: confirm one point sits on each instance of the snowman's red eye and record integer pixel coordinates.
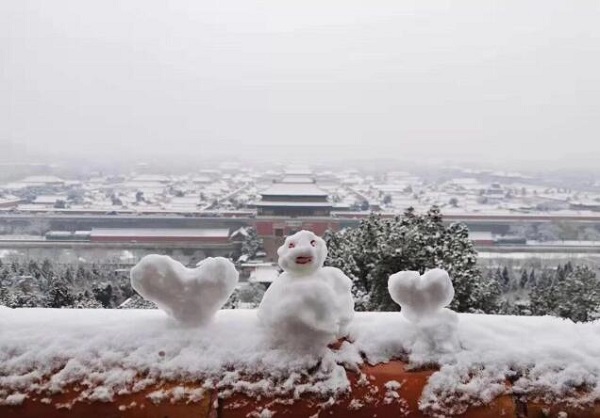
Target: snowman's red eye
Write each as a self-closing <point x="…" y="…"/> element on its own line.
<point x="291" y="245"/>
<point x="313" y="243"/>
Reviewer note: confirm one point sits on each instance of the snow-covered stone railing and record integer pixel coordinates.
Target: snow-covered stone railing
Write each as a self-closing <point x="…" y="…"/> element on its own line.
<point x="110" y="353"/>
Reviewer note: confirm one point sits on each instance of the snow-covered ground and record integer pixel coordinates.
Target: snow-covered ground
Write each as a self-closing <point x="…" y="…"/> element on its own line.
<point x="119" y="351"/>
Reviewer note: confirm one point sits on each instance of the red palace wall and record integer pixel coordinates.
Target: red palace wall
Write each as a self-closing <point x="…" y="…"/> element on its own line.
<point x="204" y="240"/>
<point x="266" y="229"/>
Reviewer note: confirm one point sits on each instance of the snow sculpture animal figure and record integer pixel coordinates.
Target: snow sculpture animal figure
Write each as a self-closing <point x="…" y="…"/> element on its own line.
<point x="423" y="299"/>
<point x="191" y="296"/>
<point x="308" y="305"/>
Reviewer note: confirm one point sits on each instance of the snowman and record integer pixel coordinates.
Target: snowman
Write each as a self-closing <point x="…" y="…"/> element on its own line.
<point x="308" y="306"/>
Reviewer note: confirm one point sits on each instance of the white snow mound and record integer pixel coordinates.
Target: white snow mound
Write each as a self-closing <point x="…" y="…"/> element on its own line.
<point x="191" y="296"/>
<point x="308" y="305"/>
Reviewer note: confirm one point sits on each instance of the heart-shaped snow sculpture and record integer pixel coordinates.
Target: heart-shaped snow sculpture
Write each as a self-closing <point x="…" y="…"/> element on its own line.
<point x="421" y="296"/>
<point x="191" y="296"/>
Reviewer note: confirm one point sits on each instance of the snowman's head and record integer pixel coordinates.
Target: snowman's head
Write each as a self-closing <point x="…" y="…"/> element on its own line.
<point x="302" y="253"/>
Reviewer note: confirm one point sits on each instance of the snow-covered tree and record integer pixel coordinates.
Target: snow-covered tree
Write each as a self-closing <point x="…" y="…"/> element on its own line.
<point x="85" y="301"/>
<point x="524" y="280"/>
<point x="7" y="298"/>
<point x="379" y="247"/>
<point x="103" y="293"/>
<point x="29" y="283"/>
<point x="252" y="243"/>
<point x="232" y="302"/>
<point x="25" y="297"/>
<point x="252" y="294"/>
<point x="572" y="293"/>
<point x="580" y="293"/>
<point x="502" y="276"/>
<point x="60" y="294"/>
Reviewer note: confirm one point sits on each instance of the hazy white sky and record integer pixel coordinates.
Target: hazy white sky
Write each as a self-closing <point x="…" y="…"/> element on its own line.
<point x="507" y="80"/>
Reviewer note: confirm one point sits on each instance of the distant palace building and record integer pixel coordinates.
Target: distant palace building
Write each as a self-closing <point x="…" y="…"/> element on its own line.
<point x="292" y="204"/>
<point x="294" y="197"/>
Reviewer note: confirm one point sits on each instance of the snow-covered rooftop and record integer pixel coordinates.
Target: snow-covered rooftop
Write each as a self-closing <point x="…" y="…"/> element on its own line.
<point x="161" y="232"/>
<point x="158" y="178"/>
<point x="48" y="199"/>
<point x="297" y="180"/>
<point x="294" y="189"/>
<point x="264" y="273"/>
<point x="292" y="203"/>
<point x="41" y="180"/>
<point x="480" y="235"/>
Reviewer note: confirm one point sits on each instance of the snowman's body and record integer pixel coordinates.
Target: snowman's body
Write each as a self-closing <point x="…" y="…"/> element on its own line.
<point x="308" y="304"/>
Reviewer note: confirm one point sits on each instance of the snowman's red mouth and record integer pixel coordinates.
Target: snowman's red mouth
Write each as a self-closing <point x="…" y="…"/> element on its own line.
<point x="303" y="260"/>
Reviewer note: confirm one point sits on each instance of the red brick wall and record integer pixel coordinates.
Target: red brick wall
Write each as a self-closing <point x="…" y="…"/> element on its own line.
<point x="264" y="228"/>
<point x="208" y="240"/>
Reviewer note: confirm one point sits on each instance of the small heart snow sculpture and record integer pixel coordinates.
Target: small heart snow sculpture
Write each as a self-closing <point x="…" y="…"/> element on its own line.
<point x="191" y="296"/>
<point x="421" y="296"/>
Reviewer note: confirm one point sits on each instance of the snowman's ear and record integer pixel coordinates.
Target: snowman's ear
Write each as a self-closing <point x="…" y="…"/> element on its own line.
<point x="281" y="253"/>
<point x="283" y="249"/>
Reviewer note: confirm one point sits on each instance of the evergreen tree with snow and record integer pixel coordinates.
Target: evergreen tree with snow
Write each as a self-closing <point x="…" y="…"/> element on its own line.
<point x="27" y="299"/>
<point x="47" y="269"/>
<point x="80" y="274"/>
<point x="544" y="297"/>
<point x="379" y="247"/>
<point x="27" y="283"/>
<point x="502" y="276"/>
<point x="524" y="280"/>
<point x="85" y="300"/>
<point x="7" y="298"/>
<point x="573" y="292"/>
<point x="532" y="279"/>
<point x="355" y="251"/>
<point x="103" y="293"/>
<point x="68" y="275"/>
<point x="60" y="294"/>
<point x="251" y="294"/>
<point x="4" y="273"/>
<point x="580" y="295"/>
<point x="252" y="243"/>
<point x="506" y="278"/>
<point x="233" y="301"/>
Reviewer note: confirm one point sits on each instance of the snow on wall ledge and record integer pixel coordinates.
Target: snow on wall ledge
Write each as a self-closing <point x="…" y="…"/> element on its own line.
<point x="110" y="352"/>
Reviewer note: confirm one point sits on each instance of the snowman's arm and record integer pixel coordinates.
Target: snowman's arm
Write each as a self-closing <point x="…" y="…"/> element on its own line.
<point x="271" y="297"/>
<point x="342" y="287"/>
<point x="337" y="279"/>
